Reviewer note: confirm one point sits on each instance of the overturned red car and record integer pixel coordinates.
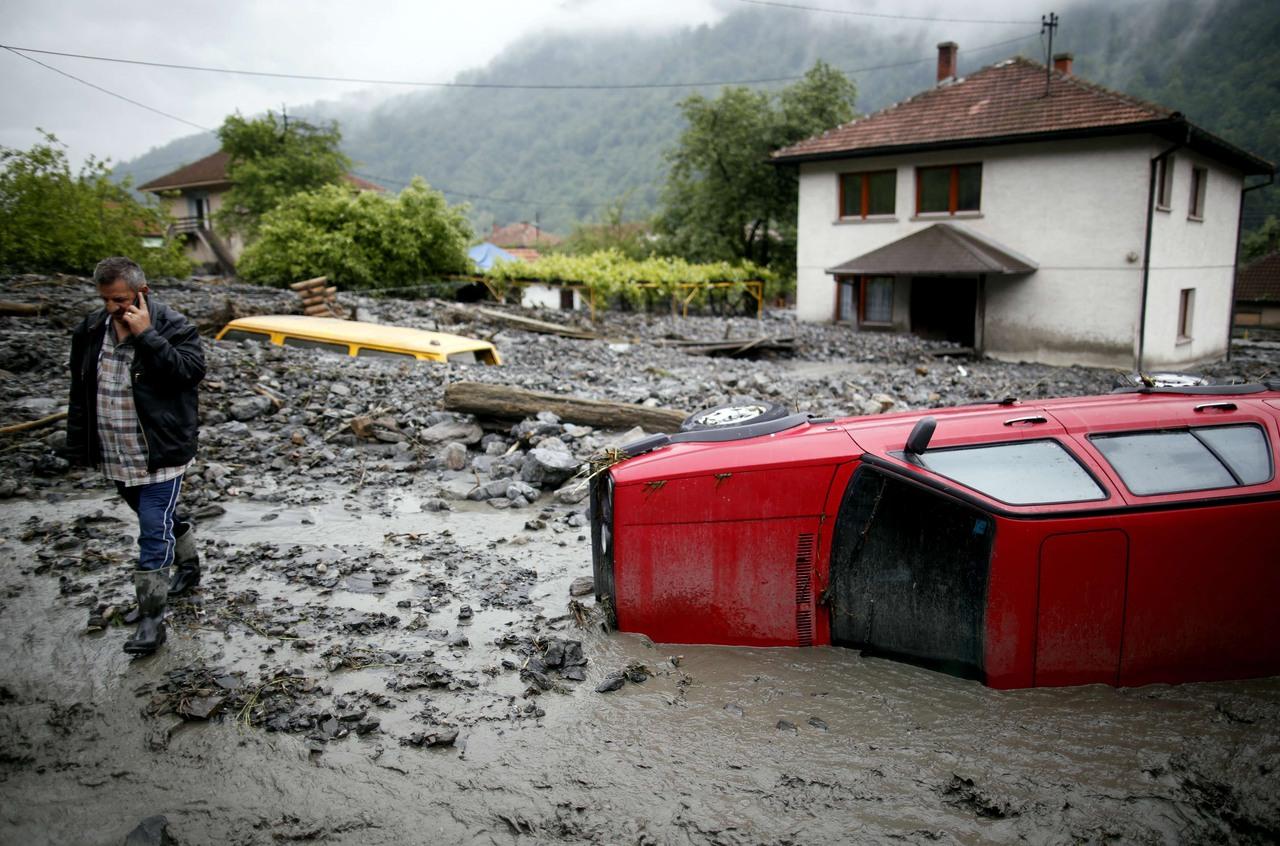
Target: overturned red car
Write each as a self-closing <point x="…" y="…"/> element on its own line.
<point x="1125" y="539"/>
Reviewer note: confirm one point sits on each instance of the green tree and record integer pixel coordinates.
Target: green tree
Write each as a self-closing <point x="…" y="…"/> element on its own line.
<point x="54" y="220"/>
<point x="273" y="158"/>
<point x="723" y="200"/>
<point x="359" y="239"/>
<point x="1261" y="242"/>
<point x="612" y="231"/>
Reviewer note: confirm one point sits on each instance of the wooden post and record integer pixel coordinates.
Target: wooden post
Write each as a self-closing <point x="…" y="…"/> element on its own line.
<point x="503" y="401"/>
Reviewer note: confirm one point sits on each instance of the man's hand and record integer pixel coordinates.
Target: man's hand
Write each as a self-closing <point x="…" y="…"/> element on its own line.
<point x="137" y="316"/>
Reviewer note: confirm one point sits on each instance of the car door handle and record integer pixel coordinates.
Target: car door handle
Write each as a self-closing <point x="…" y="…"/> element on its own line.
<point x="1220" y="406"/>
<point x="1035" y="418"/>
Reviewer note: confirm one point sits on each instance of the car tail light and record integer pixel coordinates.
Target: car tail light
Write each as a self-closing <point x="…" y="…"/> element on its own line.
<point x="602" y="536"/>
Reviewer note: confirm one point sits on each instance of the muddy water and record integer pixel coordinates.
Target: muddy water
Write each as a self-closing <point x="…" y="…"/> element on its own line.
<point x="721" y="745"/>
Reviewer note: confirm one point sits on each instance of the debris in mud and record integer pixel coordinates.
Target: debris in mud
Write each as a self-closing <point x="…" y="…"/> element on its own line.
<point x="963" y="792"/>
<point x="635" y="672"/>
<point x="152" y="831"/>
<point x="426" y="739"/>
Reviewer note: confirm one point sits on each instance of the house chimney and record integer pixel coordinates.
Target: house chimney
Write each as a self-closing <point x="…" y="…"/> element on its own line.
<point x="1062" y="63"/>
<point x="947" y="61"/>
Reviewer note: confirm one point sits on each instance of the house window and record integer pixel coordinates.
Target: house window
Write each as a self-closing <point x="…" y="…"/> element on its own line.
<point x="1186" y="304"/>
<point x="948" y="189"/>
<point x="1164" y="182"/>
<point x="866" y="194"/>
<point x="877" y="299"/>
<point x="1199" y="176"/>
<point x="846" y="298"/>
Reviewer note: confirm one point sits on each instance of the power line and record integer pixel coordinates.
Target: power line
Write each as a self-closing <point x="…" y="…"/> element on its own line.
<point x="633" y="86"/>
<point x="105" y="91"/>
<point x="883" y="15"/>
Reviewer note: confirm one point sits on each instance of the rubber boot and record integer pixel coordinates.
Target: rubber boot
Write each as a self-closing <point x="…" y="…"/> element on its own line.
<point x="186" y="561"/>
<point x="152" y="587"/>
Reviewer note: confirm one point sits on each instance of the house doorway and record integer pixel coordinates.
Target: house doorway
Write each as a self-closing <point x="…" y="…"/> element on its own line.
<point x="944" y="308"/>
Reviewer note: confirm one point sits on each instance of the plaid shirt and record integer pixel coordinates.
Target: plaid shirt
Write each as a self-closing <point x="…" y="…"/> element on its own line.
<point x="124" y="448"/>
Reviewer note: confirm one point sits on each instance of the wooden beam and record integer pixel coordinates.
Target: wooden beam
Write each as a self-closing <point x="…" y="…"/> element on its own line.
<point x="32" y="424"/>
<point x="503" y="401"/>
<point x="11" y="309"/>
<point x="542" y="327"/>
<point x="309" y="283"/>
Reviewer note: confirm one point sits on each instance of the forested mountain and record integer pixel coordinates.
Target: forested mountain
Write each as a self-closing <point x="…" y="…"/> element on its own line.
<point x="560" y="155"/>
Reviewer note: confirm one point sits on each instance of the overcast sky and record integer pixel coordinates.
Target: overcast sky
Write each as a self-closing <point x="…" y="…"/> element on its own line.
<point x="427" y="40"/>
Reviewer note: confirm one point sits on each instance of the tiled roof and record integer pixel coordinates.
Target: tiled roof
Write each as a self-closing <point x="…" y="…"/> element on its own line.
<point x="211" y="170"/>
<point x="1260" y="281"/>
<point x="521" y="235"/>
<point x="525" y="253"/>
<point x="1003" y="101"/>
<point x="941" y="249"/>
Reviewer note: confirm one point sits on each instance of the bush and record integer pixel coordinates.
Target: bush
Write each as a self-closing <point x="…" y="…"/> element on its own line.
<point x="609" y="274"/>
<point x="52" y="220"/>
<point x="359" y="239"/>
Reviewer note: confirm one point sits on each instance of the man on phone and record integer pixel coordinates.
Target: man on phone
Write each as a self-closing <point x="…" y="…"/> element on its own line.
<point x="135" y="368"/>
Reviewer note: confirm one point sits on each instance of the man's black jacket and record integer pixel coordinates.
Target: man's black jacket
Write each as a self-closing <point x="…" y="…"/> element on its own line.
<point x="168" y="364"/>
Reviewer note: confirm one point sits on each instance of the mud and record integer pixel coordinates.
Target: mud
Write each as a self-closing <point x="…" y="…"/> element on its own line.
<point x="375" y="658"/>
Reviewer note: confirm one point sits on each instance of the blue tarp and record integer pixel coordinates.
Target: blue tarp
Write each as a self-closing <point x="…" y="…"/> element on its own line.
<point x="484" y="255"/>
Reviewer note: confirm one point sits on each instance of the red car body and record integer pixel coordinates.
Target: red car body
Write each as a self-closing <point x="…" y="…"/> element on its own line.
<point x="832" y="532"/>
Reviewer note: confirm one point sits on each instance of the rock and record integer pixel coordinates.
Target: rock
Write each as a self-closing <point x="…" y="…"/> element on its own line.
<point x="548" y="467"/>
<point x="152" y="831"/>
<point x="573" y="492"/>
<point x="819" y="724"/>
<point x="519" y="490"/>
<point x="734" y="709"/>
<point x="251" y="408"/>
<point x="465" y="613"/>
<point x="454" y="455"/>
<point x="783" y="725"/>
<point x="452" y="430"/>
<point x="436" y="737"/>
<point x="582" y="586"/>
<point x="611" y="682"/>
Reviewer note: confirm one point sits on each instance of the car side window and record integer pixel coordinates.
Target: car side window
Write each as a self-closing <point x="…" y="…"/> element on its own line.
<point x="246" y="335"/>
<point x="326" y="346"/>
<point x="1019" y="473"/>
<point x="370" y="352"/>
<point x="1183" y="460"/>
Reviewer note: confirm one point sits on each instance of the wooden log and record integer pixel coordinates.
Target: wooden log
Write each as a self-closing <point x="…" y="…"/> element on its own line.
<point x="322" y="310"/>
<point x="10" y="309"/>
<point x="32" y="424"/>
<point x="506" y="402"/>
<point x="328" y="296"/>
<point x="528" y="324"/>
<point x="309" y="283"/>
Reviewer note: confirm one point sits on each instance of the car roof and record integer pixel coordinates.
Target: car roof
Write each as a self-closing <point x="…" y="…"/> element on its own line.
<point x="880" y="439"/>
<point x="360" y="333"/>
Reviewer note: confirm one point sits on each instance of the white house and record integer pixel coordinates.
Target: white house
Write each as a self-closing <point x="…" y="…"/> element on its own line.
<point x="1028" y="213"/>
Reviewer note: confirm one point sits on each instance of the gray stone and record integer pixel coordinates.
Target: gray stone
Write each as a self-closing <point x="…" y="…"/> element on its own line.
<point x="452" y="430"/>
<point x="582" y="586"/>
<point x="548" y="467"/>
<point x="573" y="492"/>
<point x="152" y="831"/>
<point x="250" y="408"/>
<point x="454" y="455"/>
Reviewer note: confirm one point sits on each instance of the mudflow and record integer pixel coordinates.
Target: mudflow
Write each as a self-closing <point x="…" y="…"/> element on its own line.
<point x="395" y="640"/>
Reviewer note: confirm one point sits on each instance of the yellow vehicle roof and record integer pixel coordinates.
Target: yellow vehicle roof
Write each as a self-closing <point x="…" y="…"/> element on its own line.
<point x="360" y="333"/>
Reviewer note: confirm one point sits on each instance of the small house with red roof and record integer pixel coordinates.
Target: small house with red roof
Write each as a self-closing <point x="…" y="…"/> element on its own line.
<point x="1258" y="293"/>
<point x="1029" y="214"/>
<point x="193" y="193"/>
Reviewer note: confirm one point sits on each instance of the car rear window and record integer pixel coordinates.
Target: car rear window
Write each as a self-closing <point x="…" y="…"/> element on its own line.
<point x="1188" y="459"/>
<point x="1019" y="473"/>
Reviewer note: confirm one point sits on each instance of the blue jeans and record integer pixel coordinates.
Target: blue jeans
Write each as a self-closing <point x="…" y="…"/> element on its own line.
<point x="154" y="505"/>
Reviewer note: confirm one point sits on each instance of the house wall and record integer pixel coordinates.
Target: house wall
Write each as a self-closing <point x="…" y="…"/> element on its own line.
<point x="1195" y="254"/>
<point x="546" y="296"/>
<point x="1077" y="209"/>
<point x="178" y="207"/>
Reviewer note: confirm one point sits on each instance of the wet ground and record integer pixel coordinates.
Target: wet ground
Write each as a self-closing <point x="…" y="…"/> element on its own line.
<point x="326" y="685"/>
